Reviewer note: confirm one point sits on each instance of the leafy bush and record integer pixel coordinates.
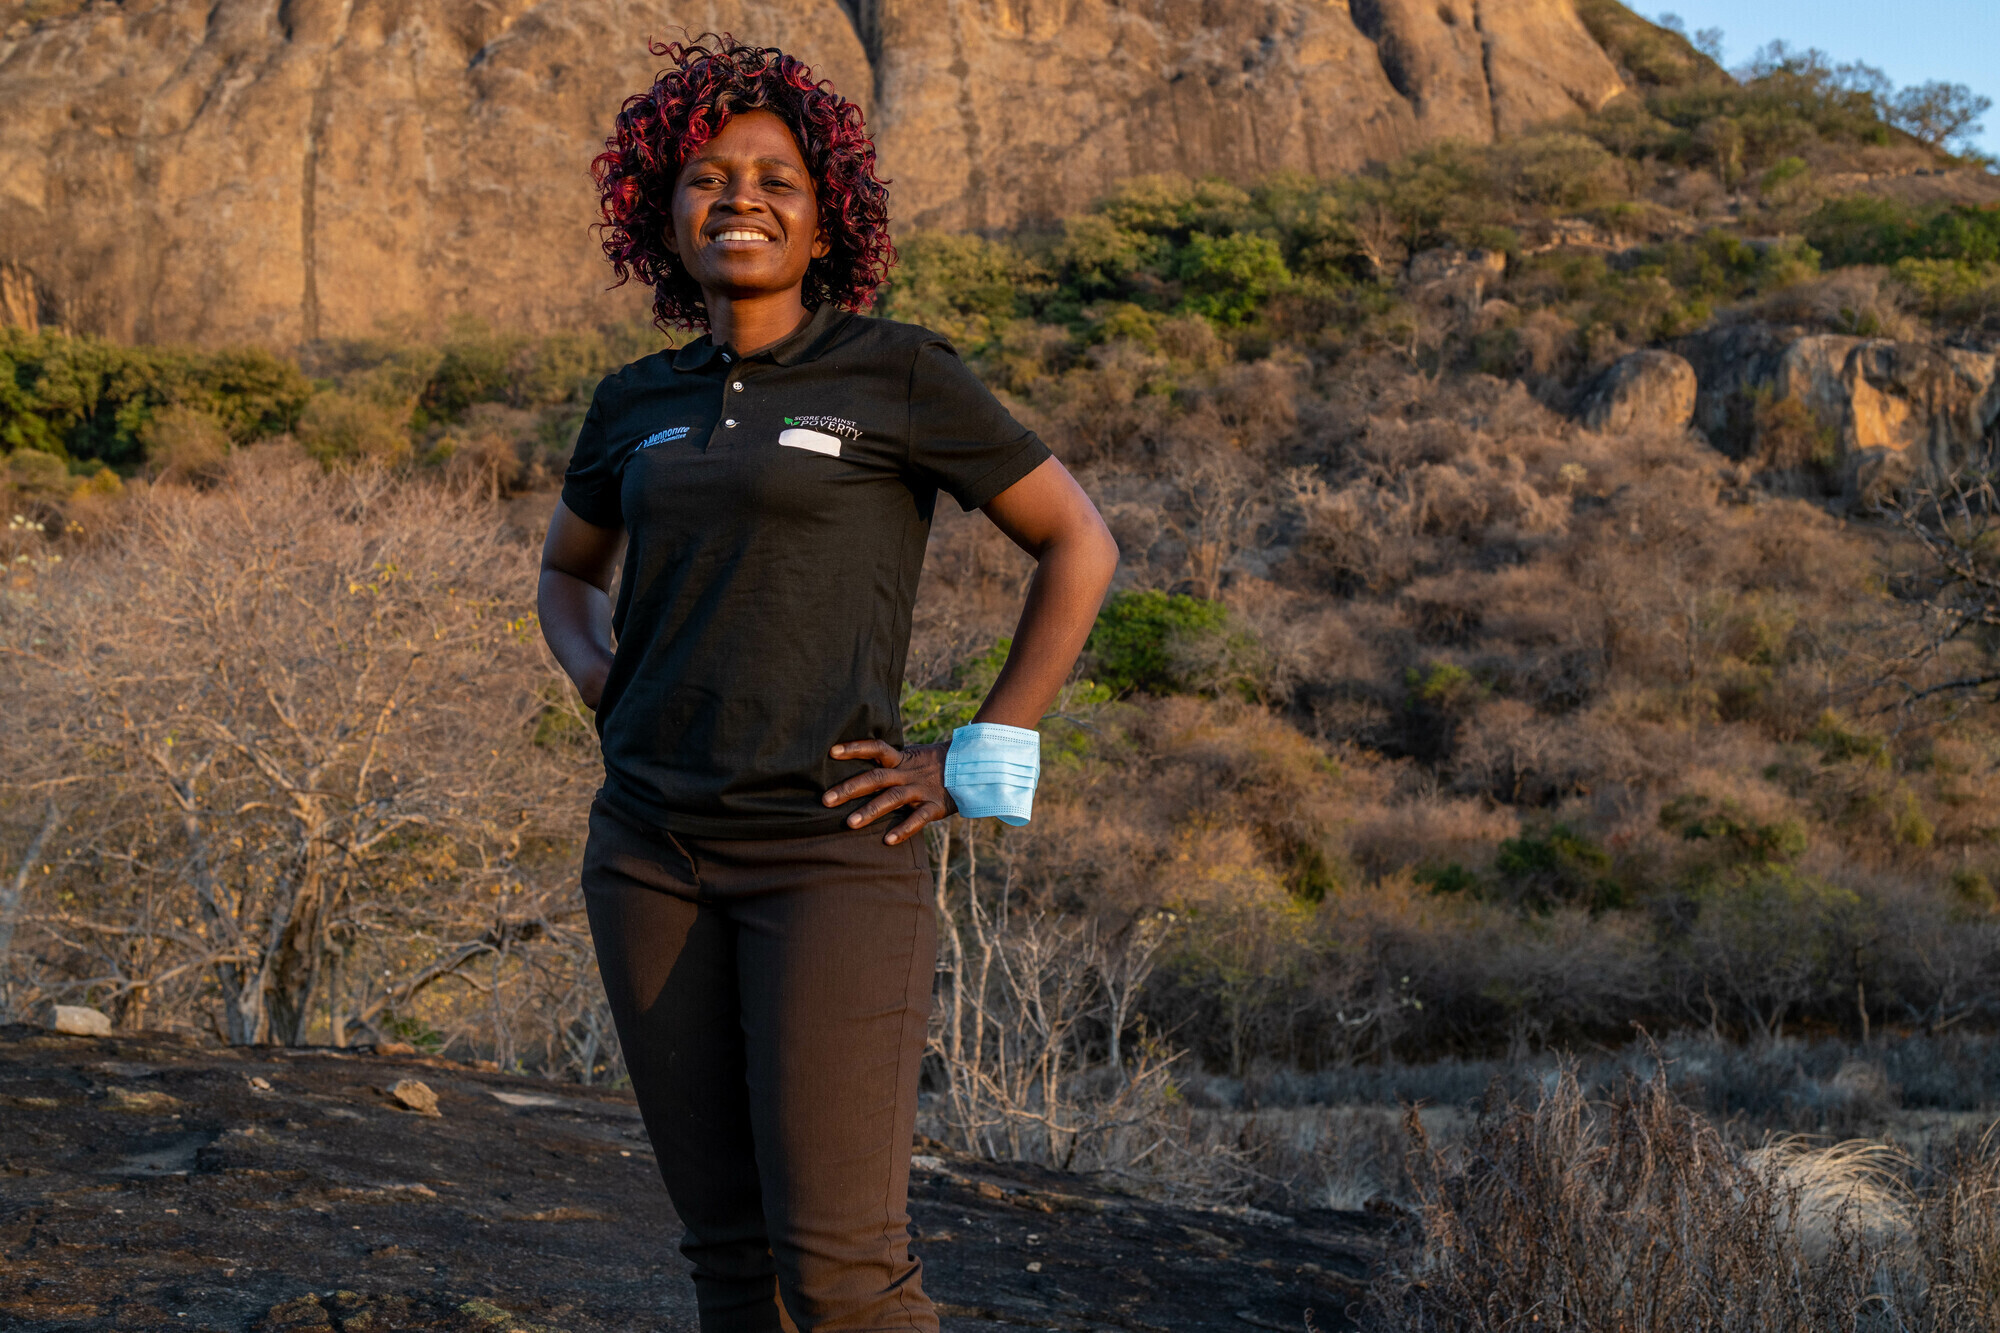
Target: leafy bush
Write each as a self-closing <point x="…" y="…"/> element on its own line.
<point x="1538" y="872"/>
<point x="1840" y="743"/>
<point x="965" y="287"/>
<point x="1229" y="278"/>
<point x="1790" y="100"/>
<point x="1865" y="230"/>
<point x="931" y="715"/>
<point x="1740" y="839"/>
<point x="1097" y="257"/>
<point x="82" y="397"/>
<point x="479" y="365"/>
<point x="1142" y="639"/>
<point x="1951" y="290"/>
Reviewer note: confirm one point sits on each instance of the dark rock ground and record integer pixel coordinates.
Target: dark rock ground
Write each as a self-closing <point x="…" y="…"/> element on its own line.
<point x="149" y="1183"/>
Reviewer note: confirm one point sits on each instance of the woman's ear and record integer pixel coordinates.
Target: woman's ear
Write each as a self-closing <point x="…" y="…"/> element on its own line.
<point x="822" y="243"/>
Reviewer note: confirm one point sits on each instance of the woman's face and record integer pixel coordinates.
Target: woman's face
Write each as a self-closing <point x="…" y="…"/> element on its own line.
<point x="745" y="222"/>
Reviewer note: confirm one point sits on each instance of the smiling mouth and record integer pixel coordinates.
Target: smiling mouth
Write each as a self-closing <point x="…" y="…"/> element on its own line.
<point x="742" y="234"/>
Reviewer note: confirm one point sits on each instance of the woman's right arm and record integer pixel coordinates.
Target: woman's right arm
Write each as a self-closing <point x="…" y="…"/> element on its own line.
<point x="574" y="599"/>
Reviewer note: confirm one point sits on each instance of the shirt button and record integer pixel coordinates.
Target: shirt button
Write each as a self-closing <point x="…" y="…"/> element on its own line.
<point x="738" y="386"/>
<point x="726" y="358"/>
<point x="730" y="423"/>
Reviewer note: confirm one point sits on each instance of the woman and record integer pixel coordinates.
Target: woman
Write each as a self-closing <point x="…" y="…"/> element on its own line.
<point x="758" y="894"/>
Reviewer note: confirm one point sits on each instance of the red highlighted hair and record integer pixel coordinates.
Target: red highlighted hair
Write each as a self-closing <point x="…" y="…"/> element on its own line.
<point x="711" y="79"/>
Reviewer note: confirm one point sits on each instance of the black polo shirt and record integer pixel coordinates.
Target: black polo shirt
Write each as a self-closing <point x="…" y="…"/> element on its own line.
<point x="776" y="508"/>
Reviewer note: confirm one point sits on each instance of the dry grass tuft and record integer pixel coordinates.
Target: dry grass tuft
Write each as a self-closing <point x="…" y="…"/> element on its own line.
<point x="1638" y="1214"/>
<point x="1632" y="1215"/>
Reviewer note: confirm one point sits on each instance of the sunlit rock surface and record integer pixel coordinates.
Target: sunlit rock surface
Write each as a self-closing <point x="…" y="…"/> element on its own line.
<point x="278" y="170"/>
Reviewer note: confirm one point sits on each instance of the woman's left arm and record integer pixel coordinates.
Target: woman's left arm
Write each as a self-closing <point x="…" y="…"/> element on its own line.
<point x="1047" y="515"/>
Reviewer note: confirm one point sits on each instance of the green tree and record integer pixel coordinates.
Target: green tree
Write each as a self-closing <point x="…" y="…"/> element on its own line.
<point x="1229" y="278"/>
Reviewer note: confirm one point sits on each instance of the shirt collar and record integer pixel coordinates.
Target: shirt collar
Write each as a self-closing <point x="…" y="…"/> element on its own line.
<point x="810" y="340"/>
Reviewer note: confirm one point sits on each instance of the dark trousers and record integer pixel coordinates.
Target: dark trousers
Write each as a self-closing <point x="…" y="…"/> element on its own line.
<point x="771" y="997"/>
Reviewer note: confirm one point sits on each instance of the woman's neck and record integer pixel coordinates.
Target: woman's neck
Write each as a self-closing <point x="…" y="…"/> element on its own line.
<point x="750" y="324"/>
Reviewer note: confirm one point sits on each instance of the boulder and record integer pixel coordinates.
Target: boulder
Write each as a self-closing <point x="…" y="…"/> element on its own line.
<point x="78" y="1020"/>
<point x="214" y="171"/>
<point x="416" y="1095"/>
<point x="1649" y="389"/>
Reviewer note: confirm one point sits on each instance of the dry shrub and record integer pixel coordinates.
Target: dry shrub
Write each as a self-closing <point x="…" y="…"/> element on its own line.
<point x="1037" y="1047"/>
<point x="1838" y="1192"/>
<point x="1635" y="1214"/>
<point x="489" y="449"/>
<point x="1424" y="969"/>
<point x="344" y="426"/>
<point x="1241" y="965"/>
<point x="1951" y="1282"/>
<point x="312" y="770"/>
<point x="1297" y="639"/>
<point x="1863" y="301"/>
<point x="1344" y="1157"/>
<point x="184" y="444"/>
<point x="1426" y="830"/>
<point x="1638" y="1213"/>
<point x="35" y="476"/>
<point x="1112" y="412"/>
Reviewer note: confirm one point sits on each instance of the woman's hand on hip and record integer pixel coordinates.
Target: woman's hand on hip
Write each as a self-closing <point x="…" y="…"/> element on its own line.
<point x="912" y="778"/>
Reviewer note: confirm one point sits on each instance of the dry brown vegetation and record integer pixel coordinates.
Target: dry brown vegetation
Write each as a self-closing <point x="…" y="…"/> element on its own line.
<point x="302" y="759"/>
<point x="1509" y="735"/>
<point x="1529" y="732"/>
<point x="1635" y="1213"/>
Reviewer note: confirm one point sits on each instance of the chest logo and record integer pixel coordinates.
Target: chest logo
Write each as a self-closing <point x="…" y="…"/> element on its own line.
<point x="827" y="426"/>
<point x="671" y="433"/>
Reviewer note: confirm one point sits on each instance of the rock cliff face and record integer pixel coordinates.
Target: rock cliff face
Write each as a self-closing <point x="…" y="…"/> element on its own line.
<point x="1019" y="109"/>
<point x="272" y="170"/>
<point x="278" y="170"/>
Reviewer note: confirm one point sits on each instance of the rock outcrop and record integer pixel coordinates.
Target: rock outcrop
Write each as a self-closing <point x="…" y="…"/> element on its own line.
<point x="1875" y="413"/>
<point x="264" y="1179"/>
<point x="279" y="170"/>
<point x="1886" y="411"/>
<point x="1649" y="388"/>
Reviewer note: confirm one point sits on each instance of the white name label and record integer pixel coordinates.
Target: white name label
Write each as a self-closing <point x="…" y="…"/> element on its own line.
<point x="795" y="438"/>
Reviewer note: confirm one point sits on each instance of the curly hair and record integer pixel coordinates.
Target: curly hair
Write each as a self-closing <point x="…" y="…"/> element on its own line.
<point x="712" y="78"/>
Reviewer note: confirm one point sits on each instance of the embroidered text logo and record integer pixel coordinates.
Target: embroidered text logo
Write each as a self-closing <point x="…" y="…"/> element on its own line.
<point x="664" y="436"/>
<point x="827" y="425"/>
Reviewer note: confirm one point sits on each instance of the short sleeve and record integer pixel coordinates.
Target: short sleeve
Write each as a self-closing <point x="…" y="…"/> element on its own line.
<point x="590" y="485"/>
<point x="961" y="439"/>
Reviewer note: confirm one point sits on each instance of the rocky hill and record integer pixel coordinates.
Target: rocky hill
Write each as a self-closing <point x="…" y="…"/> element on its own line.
<point x="278" y="170"/>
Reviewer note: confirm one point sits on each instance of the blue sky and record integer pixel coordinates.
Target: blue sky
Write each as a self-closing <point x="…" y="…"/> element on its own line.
<point x="1913" y="41"/>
